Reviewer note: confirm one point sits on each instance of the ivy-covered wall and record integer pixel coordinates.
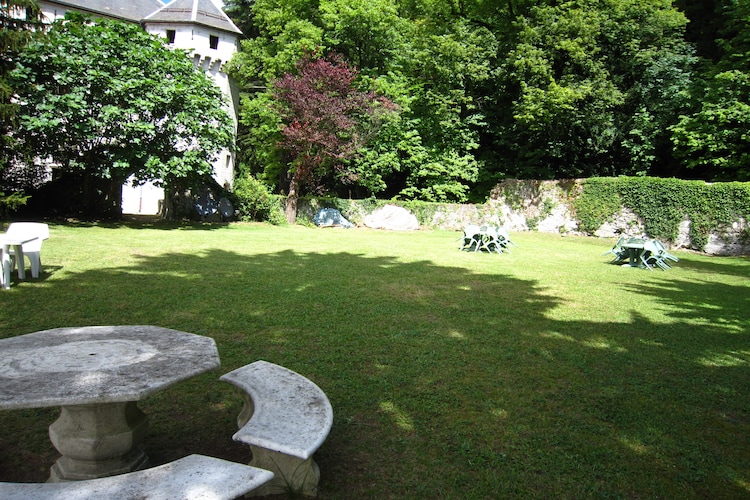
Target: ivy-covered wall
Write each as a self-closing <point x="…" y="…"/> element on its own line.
<point x="719" y="210"/>
<point x="714" y="218"/>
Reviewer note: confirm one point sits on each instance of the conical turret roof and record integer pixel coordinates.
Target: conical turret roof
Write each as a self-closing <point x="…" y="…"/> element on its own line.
<point x="203" y="12"/>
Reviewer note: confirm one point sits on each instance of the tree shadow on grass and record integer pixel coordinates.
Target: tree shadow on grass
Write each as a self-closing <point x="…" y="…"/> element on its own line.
<point x="717" y="265"/>
<point x="148" y="222"/>
<point x="443" y="382"/>
<point x="725" y="305"/>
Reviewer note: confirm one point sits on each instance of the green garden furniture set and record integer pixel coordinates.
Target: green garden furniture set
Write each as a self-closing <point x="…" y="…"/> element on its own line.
<point x="641" y="252"/>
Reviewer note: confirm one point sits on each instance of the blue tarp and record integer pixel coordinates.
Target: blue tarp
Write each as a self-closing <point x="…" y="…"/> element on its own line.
<point x="205" y="205"/>
<point x="226" y="209"/>
<point x="328" y="217"/>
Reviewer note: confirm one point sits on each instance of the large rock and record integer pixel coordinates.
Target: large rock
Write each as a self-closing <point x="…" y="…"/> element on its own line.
<point x="393" y="218"/>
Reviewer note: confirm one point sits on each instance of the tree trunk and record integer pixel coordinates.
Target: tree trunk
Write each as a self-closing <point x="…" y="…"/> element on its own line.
<point x="167" y="211"/>
<point x="88" y="204"/>
<point x="113" y="198"/>
<point x="291" y="200"/>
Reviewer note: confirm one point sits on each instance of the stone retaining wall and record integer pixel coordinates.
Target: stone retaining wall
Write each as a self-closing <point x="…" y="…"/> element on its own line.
<point x="546" y="206"/>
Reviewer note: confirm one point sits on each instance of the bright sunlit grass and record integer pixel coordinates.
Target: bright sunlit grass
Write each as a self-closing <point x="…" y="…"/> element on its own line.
<point x="543" y="373"/>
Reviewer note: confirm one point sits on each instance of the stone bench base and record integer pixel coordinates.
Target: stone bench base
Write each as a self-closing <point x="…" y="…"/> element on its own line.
<point x="285" y="419"/>
<point x="291" y="474"/>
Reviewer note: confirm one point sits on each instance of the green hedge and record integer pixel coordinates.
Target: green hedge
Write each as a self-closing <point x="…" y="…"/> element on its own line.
<point x="11" y="203"/>
<point x="664" y="203"/>
<point x="255" y="202"/>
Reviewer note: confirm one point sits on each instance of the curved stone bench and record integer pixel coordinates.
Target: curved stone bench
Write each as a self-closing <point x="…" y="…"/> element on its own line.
<point x="190" y="478"/>
<point x="285" y="419"/>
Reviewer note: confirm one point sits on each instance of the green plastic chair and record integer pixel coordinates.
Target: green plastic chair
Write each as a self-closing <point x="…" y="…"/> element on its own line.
<point x="620" y="254"/>
<point x="654" y="254"/>
<point x="491" y="239"/>
<point x="471" y="238"/>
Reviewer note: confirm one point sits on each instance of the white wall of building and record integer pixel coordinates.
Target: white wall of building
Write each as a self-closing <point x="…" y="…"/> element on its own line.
<point x="143" y="200"/>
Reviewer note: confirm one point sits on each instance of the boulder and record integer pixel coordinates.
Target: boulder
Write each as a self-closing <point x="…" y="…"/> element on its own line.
<point x="393" y="218"/>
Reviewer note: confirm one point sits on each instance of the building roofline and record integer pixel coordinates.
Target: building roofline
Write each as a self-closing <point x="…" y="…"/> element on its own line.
<point x="200" y="12"/>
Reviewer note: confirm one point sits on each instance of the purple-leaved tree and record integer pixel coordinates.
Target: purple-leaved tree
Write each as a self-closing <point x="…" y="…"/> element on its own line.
<point x="325" y="120"/>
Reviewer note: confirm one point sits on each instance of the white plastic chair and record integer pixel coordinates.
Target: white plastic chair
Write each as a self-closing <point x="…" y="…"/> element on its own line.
<point x="32" y="249"/>
<point x="471" y="238"/>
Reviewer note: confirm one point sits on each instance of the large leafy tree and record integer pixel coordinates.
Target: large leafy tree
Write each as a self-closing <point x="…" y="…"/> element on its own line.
<point x="450" y="60"/>
<point x="20" y="22"/>
<point x="369" y="33"/>
<point x="107" y="101"/>
<point x="429" y="57"/>
<point x="426" y="63"/>
<point x="593" y="86"/>
<point x="325" y="120"/>
<point x="713" y="140"/>
<point x="281" y="33"/>
<point x="489" y="90"/>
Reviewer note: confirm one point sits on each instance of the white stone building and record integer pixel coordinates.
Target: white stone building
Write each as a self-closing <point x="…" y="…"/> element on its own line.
<point x="198" y="26"/>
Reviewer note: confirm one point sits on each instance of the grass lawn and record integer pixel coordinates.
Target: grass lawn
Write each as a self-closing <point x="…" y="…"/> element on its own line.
<point x="545" y="373"/>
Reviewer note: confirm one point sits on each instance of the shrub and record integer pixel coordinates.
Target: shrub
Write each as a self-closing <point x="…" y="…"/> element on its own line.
<point x="11" y="202"/>
<point x="255" y="201"/>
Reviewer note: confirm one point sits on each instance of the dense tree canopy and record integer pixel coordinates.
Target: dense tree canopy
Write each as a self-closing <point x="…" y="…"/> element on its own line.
<point x="20" y="21"/>
<point x="713" y="139"/>
<point x="591" y="90"/>
<point x="106" y="100"/>
<point x="490" y="90"/>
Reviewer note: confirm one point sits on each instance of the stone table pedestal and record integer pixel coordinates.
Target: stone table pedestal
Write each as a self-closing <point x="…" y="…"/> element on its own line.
<point x="97" y="374"/>
<point x="98" y="440"/>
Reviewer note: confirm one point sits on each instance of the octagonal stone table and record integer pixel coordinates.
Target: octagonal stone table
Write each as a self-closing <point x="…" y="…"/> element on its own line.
<point x="97" y="374"/>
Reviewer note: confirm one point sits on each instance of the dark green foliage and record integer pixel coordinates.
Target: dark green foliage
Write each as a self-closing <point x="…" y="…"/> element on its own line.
<point x="664" y="203"/>
<point x="255" y="202"/>
<point x="11" y="203"/>
<point x="712" y="141"/>
<point x="20" y="23"/>
<point x="16" y="31"/>
<point x="240" y="11"/>
<point x="592" y="87"/>
<point x="534" y="90"/>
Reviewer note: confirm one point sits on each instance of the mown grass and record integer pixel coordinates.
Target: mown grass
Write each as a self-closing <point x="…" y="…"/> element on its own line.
<point x="545" y="373"/>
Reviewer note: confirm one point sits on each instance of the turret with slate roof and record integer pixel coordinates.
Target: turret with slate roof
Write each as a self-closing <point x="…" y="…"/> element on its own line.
<point x="197" y="26"/>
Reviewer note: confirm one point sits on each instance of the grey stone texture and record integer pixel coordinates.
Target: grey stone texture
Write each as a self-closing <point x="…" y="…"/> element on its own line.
<point x="393" y="218"/>
<point x="98" y="364"/>
<point x="195" y="477"/>
<point x="285" y="419"/>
